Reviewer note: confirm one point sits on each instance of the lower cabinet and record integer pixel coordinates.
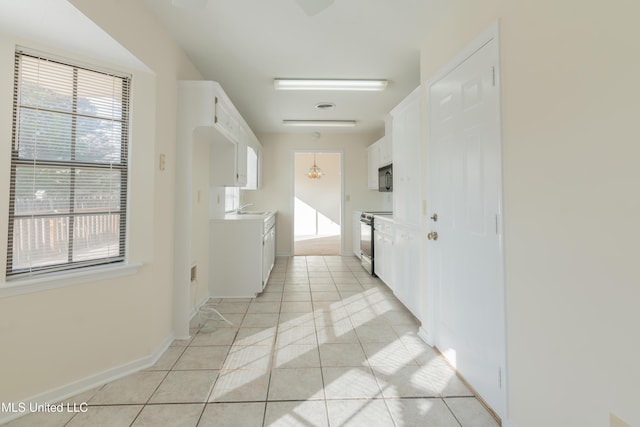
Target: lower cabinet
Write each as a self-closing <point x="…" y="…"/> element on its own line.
<point x="241" y="255"/>
<point x="268" y="250"/>
<point x="406" y="258"/>
<point x="355" y="233"/>
<point x="383" y="251"/>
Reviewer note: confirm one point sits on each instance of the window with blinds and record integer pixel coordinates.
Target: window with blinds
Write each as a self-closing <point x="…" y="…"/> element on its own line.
<point x="68" y="167"/>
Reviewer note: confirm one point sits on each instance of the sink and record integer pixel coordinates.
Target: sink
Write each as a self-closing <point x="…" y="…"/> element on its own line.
<point x="253" y="212"/>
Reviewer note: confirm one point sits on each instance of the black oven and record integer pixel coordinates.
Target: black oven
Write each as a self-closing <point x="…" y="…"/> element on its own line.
<point x="367" y="247"/>
<point x="366" y="241"/>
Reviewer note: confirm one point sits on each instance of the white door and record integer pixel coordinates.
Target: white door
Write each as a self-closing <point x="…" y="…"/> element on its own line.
<point x="465" y="192"/>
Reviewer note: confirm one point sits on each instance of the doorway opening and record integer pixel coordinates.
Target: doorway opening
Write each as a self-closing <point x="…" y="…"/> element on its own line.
<point x="317" y="204"/>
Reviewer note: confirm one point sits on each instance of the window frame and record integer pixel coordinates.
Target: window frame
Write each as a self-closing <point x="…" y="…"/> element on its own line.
<point x="231" y="199"/>
<point x="71" y="266"/>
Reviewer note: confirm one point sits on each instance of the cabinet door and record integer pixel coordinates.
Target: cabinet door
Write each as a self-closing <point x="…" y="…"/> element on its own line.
<point x="242" y="247"/>
<point x="224" y="119"/>
<point x="386" y="153"/>
<point x="408" y="286"/>
<point x="386" y="144"/>
<point x="383" y="256"/>
<point x="400" y="259"/>
<point x="272" y="249"/>
<point x="268" y="254"/>
<point x="389" y="268"/>
<point x="228" y="164"/>
<point x="407" y="160"/>
<point x="355" y="233"/>
<point x="373" y="161"/>
<point x="222" y="162"/>
<point x="379" y="256"/>
<point x="265" y="259"/>
<point x="241" y="158"/>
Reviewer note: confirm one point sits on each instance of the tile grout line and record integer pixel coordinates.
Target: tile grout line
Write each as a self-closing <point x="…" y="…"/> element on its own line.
<point x="210" y="393"/>
<point x="451" y="411"/>
<point x="206" y="399"/>
<point x="273" y="352"/>
<point x="149" y="398"/>
<point x="300" y="272"/>
<point x="375" y="378"/>
<point x="324" y="387"/>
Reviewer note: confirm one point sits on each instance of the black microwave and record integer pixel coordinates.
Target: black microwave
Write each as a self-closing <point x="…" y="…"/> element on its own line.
<point x="385" y="178"/>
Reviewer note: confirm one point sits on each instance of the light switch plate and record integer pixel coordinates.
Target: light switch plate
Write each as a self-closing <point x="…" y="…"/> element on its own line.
<point x="194" y="273"/>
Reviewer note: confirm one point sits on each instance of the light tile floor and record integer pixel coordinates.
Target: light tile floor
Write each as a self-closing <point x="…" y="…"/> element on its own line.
<point x="326" y="344"/>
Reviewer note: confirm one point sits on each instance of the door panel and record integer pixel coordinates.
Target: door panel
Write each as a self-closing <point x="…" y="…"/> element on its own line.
<point x="464" y="179"/>
<point x="406" y="160"/>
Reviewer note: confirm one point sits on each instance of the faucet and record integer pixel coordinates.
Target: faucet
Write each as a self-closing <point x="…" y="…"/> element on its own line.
<point x="241" y="208"/>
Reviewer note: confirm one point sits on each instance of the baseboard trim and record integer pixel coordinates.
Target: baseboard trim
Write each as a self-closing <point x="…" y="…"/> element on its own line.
<point x="426" y="337"/>
<point x="92" y="381"/>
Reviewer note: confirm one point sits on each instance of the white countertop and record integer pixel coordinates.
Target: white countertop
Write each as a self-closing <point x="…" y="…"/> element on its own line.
<point x="385" y="217"/>
<point x="246" y="216"/>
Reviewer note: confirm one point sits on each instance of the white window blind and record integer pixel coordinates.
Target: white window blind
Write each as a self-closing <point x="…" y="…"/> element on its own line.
<point x="68" y="167"/>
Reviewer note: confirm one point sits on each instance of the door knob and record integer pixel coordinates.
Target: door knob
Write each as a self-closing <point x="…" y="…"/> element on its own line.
<point x="434" y="217"/>
<point x="433" y="235"/>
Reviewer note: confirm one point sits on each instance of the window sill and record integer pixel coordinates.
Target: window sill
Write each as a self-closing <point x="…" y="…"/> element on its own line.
<point x="67" y="278"/>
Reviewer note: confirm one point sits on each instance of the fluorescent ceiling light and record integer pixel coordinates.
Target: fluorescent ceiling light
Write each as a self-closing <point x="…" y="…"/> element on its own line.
<point x="328" y="84"/>
<point x="319" y="123"/>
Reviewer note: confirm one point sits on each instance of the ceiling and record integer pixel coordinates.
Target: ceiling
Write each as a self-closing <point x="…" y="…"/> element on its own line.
<point x="58" y="23"/>
<point x="245" y="44"/>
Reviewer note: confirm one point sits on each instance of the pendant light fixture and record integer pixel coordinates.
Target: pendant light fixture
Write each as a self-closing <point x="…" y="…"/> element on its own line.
<point x="315" y="172"/>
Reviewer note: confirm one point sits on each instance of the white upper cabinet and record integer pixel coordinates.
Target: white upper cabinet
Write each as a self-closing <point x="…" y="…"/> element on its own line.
<point x="224" y="117"/>
<point x="241" y="157"/>
<point x="373" y="162"/>
<point x="206" y="113"/>
<point x="386" y="143"/>
<point x="407" y="149"/>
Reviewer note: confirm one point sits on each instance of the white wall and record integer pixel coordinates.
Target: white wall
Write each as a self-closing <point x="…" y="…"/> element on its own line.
<point x="61" y="337"/>
<point x="322" y="195"/>
<point x="571" y="179"/>
<point x="200" y="202"/>
<point x="277" y="175"/>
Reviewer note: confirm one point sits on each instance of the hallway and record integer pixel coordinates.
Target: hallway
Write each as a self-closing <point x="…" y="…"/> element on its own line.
<point x="325" y="344"/>
<point x="316" y="245"/>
